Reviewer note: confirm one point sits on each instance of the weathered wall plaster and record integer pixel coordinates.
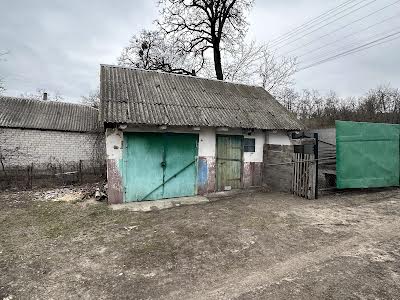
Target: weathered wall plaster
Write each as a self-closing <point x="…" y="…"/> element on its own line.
<point x="207" y="142"/>
<point x="278" y="138"/>
<point x="253" y="166"/>
<point x="114" y="149"/>
<point x="114" y="143"/>
<point x="256" y="156"/>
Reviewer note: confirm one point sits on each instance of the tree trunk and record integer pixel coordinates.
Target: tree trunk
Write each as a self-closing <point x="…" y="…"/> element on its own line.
<point x="217" y="62"/>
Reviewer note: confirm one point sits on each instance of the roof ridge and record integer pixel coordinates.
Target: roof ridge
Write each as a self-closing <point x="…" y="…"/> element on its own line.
<point x="48" y="101"/>
<point x="47" y="115"/>
<point x="182" y="75"/>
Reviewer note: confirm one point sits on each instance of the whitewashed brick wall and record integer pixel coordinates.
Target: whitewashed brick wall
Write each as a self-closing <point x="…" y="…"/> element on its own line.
<point x="21" y="147"/>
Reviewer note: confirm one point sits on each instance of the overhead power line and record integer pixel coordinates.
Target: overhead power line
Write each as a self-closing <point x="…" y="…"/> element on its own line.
<point x="380" y="41"/>
<point x="321" y="23"/>
<point x="342" y="27"/>
<point x="372" y="37"/>
<point x="323" y="26"/>
<point x="306" y="24"/>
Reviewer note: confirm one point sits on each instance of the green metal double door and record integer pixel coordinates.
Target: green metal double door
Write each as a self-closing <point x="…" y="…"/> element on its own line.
<point x="159" y="165"/>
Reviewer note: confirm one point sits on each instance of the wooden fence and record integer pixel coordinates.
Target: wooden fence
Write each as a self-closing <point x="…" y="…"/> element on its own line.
<point x="304" y="175"/>
<point x="48" y="175"/>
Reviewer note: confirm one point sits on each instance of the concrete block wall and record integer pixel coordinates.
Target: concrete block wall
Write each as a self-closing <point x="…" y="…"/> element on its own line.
<point x="278" y="177"/>
<point x="278" y="151"/>
<point x="21" y="147"/>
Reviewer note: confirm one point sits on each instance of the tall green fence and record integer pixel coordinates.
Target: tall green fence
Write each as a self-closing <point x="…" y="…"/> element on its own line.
<point x="367" y="155"/>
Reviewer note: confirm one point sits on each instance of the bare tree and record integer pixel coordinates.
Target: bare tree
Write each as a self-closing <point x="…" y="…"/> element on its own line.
<point x="2" y="87"/>
<point x="150" y="50"/>
<point x="198" y="25"/>
<point x="276" y="73"/>
<point x="241" y="64"/>
<point x="381" y="104"/>
<point x="93" y="99"/>
<point x="38" y="95"/>
<point x="288" y="98"/>
<point x="255" y="64"/>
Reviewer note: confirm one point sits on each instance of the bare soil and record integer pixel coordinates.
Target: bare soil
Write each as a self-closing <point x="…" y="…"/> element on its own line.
<point x="249" y="246"/>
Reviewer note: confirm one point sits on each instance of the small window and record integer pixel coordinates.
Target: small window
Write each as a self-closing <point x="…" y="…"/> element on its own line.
<point x="249" y="145"/>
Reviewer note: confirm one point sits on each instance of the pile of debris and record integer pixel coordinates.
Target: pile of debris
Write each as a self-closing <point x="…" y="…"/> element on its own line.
<point x="97" y="191"/>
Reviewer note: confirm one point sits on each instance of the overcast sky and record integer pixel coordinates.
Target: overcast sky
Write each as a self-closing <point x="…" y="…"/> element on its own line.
<point x="58" y="45"/>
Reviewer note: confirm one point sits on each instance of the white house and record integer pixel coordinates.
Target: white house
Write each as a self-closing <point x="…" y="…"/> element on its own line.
<point x="172" y="135"/>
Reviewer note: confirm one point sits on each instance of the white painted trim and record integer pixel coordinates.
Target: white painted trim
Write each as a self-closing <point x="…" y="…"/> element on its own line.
<point x="278" y="138"/>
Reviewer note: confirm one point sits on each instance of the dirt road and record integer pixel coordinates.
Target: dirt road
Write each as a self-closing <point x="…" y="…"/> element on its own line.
<point x="249" y="246"/>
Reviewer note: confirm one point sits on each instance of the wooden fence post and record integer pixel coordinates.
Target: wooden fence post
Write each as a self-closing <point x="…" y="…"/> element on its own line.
<point x="29" y="171"/>
<point x="80" y="172"/>
<point x="316" y="158"/>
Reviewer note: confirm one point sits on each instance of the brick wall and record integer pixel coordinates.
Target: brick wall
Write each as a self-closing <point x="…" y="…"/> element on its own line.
<point x="278" y="177"/>
<point x="21" y="147"/>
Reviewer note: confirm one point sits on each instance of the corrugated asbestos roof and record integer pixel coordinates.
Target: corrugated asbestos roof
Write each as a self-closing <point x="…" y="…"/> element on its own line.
<point x="137" y="96"/>
<point x="49" y="115"/>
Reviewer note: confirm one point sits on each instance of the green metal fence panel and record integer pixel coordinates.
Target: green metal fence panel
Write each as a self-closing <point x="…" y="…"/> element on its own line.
<point x="367" y="155"/>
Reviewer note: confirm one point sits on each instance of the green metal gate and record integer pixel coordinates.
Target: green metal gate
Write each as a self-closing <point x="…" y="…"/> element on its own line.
<point x="367" y="155"/>
<point x="229" y="161"/>
<point x="159" y="165"/>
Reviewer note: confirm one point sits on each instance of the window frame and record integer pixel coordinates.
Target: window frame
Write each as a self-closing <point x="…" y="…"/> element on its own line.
<point x="247" y="147"/>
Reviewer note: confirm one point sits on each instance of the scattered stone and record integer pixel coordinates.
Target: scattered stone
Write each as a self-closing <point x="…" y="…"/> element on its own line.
<point x="129" y="228"/>
<point x="100" y="195"/>
<point x="149" y="275"/>
<point x="72" y="194"/>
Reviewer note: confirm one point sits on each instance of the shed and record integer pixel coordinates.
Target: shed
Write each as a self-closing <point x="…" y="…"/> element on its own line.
<point x="171" y="135"/>
<point x="47" y="132"/>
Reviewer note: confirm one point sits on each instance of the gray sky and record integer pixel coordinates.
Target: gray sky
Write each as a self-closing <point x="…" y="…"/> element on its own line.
<point x="58" y="45"/>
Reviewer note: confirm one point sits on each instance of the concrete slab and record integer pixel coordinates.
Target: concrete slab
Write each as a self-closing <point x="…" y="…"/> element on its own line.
<point x="159" y="204"/>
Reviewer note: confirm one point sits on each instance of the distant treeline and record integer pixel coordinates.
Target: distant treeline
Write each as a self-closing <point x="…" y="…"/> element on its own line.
<point x="381" y="104"/>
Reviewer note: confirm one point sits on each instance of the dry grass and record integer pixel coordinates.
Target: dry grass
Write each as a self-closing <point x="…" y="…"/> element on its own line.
<point x="247" y="246"/>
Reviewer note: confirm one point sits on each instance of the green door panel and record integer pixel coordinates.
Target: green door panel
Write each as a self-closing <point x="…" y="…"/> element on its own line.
<point x="181" y="165"/>
<point x="159" y="165"/>
<point x="143" y="171"/>
<point x="367" y="155"/>
<point x="229" y="161"/>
